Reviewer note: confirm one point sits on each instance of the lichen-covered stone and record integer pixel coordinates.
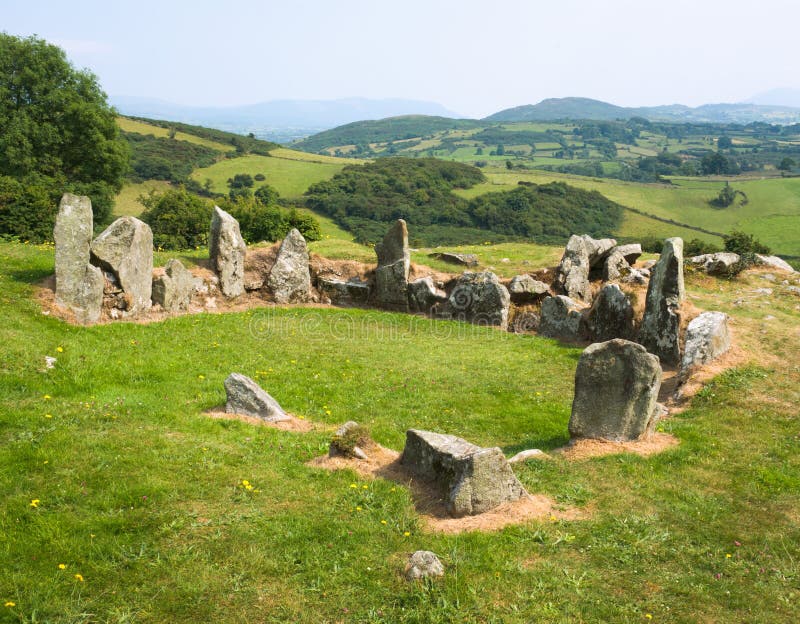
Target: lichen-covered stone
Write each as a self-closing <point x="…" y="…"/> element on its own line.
<point x="775" y="262"/>
<point x="125" y="250"/>
<point x="562" y="317"/>
<point x="611" y="315"/>
<point x="468" y="260"/>
<point x="720" y="263"/>
<point x="173" y="290"/>
<point x="479" y="298"/>
<point x="525" y="289"/>
<point x="630" y="251"/>
<point x="290" y="278"/>
<point x="707" y="337"/>
<point x="616" y="392"/>
<point x="227" y="249"/>
<point x="616" y="267"/>
<point x="245" y="396"/>
<point x="472" y="479"/>
<point x="660" y="328"/>
<point x="423" y="295"/>
<point x="344" y="293"/>
<point x="423" y="564"/>
<point x="572" y="274"/>
<point x="394" y="263"/>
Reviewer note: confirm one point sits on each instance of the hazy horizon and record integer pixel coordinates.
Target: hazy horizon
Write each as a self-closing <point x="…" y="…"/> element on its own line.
<point x="471" y="58"/>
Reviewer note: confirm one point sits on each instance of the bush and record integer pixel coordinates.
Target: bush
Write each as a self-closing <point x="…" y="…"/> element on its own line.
<point x="259" y="177"/>
<point x="742" y="243"/>
<point x="697" y="247"/>
<point x="27" y="210"/>
<point x="267" y="194"/>
<point x="178" y="219"/>
<point x="269" y="222"/>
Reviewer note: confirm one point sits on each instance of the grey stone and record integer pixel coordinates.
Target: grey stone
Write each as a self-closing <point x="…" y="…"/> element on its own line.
<point x="423" y="564"/>
<point x="636" y="276"/>
<point x="348" y="440"/>
<point x="660" y="328"/>
<point x="479" y="298"/>
<point x="719" y="263"/>
<point x="525" y="321"/>
<point x="423" y="295"/>
<point x="343" y="293"/>
<point x="526" y="455"/>
<point x="394" y="263"/>
<point x="87" y="300"/>
<point x="472" y="479"/>
<point x="125" y="250"/>
<point x="775" y="262"/>
<point x="245" y="396"/>
<point x="707" y="337"/>
<point x="290" y="278"/>
<point x="598" y="249"/>
<point x="173" y="290"/>
<point x="616" y="267"/>
<point x="572" y="275"/>
<point x="630" y="252"/>
<point x="227" y="250"/>
<point x="468" y="260"/>
<point x="562" y="318"/>
<point x="526" y="289"/>
<point x="616" y="392"/>
<point x="611" y="315"/>
<point x="394" y="246"/>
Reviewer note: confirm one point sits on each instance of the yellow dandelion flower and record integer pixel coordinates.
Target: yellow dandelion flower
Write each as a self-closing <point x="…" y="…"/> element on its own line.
<point x="245" y="482"/>
<point x="383" y="521"/>
<point x="328" y="412"/>
<point x="48" y="415"/>
<point x="10" y="604"/>
<point x="62" y="566"/>
<point x="201" y="377"/>
<point x="353" y="485"/>
<point x="728" y="556"/>
<point x="406" y="534"/>
<point x="79" y="578"/>
<point x="365" y="487"/>
<point x="46" y="397"/>
<point x="34" y="502"/>
<point x="358" y="508"/>
<point x="248" y="487"/>
<point x="60" y="349"/>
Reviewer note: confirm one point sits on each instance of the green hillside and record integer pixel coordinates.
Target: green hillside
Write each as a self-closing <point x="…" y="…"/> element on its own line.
<point x="553" y="109"/>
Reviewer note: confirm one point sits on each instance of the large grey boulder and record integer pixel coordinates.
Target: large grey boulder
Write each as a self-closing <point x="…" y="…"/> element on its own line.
<point x="423" y="295"/>
<point x="611" y="315"/>
<point x="598" y="249"/>
<point x="660" y="328"/>
<point x="245" y="396"/>
<point x="719" y="263"/>
<point x="616" y="392"/>
<point x="342" y="292"/>
<point x="290" y="278"/>
<point x="572" y="274"/>
<point x="616" y="267"/>
<point x="125" y="251"/>
<point x="468" y="260"/>
<point x="707" y="337"/>
<point x="472" y="479"/>
<point x="227" y="250"/>
<point x="630" y="252"/>
<point x="479" y="298"/>
<point x="79" y="286"/>
<point x="525" y="289"/>
<point x="173" y="290"/>
<point x="775" y="262"/>
<point x="394" y="263"/>
<point x="562" y="317"/>
<point x="423" y="564"/>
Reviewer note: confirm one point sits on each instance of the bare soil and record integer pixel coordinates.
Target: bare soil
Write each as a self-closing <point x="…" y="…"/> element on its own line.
<point x="584" y="449"/>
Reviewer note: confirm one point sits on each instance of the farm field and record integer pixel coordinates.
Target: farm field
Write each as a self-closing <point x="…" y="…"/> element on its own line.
<point x="115" y="478"/>
<point x="140" y="127"/>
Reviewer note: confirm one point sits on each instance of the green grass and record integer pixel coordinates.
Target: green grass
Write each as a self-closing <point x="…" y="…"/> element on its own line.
<point x="127" y="201"/>
<point x="140" y="127"/>
<point x="141" y="494"/>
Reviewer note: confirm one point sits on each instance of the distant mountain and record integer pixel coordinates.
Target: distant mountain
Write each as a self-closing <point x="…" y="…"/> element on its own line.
<point x="777" y="97"/>
<point x="575" y="108"/>
<point x="278" y="119"/>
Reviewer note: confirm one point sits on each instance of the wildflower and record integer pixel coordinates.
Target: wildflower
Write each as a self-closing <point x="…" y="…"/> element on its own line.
<point x="48" y="415"/>
<point x="383" y="521"/>
<point x="46" y="397"/>
<point x="727" y="555"/>
<point x="79" y="578"/>
<point x="553" y="518"/>
<point x="365" y="487"/>
<point x="34" y="502"/>
<point x="201" y="377"/>
<point x="10" y="604"/>
<point x="358" y="508"/>
<point x="353" y="485"/>
<point x="62" y="566"/>
<point x="406" y="534"/>
<point x="737" y="544"/>
<point x="60" y="349"/>
<point x="328" y="412"/>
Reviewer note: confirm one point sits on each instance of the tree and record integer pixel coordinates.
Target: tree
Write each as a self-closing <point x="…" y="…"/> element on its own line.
<point x="724" y="142"/>
<point x="787" y="164"/>
<point x="714" y="163"/>
<point x="57" y="126"/>
<point x="501" y="150"/>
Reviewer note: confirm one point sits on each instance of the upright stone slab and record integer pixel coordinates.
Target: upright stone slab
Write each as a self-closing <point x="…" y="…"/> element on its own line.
<point x="562" y="317"/>
<point x="611" y="315"/>
<point x="616" y="392"/>
<point x="173" y="290"/>
<point x="125" y="249"/>
<point x="572" y="275"/>
<point x="660" y="328"/>
<point x="227" y="250"/>
<point x="290" y="278"/>
<point x="707" y="337"/>
<point x="479" y="298"/>
<point x="472" y="479"/>
<point x="245" y="396"/>
<point x="394" y="263"/>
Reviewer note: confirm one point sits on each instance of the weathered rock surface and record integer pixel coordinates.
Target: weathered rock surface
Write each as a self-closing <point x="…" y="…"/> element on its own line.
<point x="616" y="392"/>
<point x="719" y="263"/>
<point x="472" y="479"/>
<point x="562" y="317"/>
<point x="468" y="260"/>
<point x="348" y="441"/>
<point x="660" y="328"/>
<point x="290" y="278"/>
<point x="611" y="315"/>
<point x="423" y="295"/>
<point x="525" y="321"/>
<point x="342" y="292"/>
<point x="173" y="290"/>
<point x="125" y="250"/>
<point x="227" y="250"/>
<point x="79" y="286"/>
<point x="479" y="298"/>
<point x="423" y="564"/>
<point x="707" y="337"/>
<point x="598" y="248"/>
<point x="775" y="262"/>
<point x="572" y="273"/>
<point x="616" y="267"/>
<point x="526" y="289"/>
<point x="394" y="262"/>
<point x="630" y="252"/>
<point x="245" y="396"/>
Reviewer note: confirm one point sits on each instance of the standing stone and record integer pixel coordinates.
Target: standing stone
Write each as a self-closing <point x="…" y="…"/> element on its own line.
<point x="562" y="317"/>
<point x="245" y="396"/>
<point x="290" y="279"/>
<point x="394" y="263"/>
<point x="479" y="298"/>
<point x="173" y="290"/>
<point x="660" y="328"/>
<point x="423" y="295"/>
<point x="526" y="289"/>
<point x="423" y="564"/>
<point x="472" y="479"/>
<point x="611" y="315"/>
<point x="227" y="249"/>
<point x="616" y="267"/>
<point x="572" y="274"/>
<point x="616" y="392"/>
<point x="707" y="337"/>
<point x="125" y="250"/>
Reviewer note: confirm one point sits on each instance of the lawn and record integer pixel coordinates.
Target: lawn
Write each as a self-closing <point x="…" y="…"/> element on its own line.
<point x="110" y="469"/>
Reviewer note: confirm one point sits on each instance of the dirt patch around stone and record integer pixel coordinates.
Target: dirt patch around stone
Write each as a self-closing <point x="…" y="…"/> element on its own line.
<point x="293" y="424"/>
<point x="431" y="507"/>
<point x="588" y="448"/>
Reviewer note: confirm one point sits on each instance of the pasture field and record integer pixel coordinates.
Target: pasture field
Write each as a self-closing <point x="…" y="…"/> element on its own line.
<point x="141" y="127"/>
<point x="127" y="201"/>
<point x="124" y="502"/>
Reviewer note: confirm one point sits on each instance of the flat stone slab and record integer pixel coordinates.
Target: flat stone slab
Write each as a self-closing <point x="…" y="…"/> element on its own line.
<point x="342" y="292"/>
<point x="245" y="396"/>
<point x="468" y="260"/>
<point x="473" y="479"/>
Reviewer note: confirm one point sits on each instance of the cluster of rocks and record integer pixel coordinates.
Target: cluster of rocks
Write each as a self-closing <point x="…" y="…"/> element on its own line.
<point x="725" y="262"/>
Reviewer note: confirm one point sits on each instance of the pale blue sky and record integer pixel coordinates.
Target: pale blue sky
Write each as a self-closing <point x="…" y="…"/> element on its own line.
<point x="473" y="57"/>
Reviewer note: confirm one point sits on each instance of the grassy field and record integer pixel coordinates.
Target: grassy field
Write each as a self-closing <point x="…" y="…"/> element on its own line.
<point x="140" y="127"/>
<point x="123" y="502"/>
<point x="127" y="201"/>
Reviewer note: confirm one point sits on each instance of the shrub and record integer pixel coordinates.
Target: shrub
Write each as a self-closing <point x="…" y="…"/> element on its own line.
<point x="178" y="219"/>
<point x="27" y="210"/>
<point x="269" y="222"/>
<point x="259" y="177"/>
